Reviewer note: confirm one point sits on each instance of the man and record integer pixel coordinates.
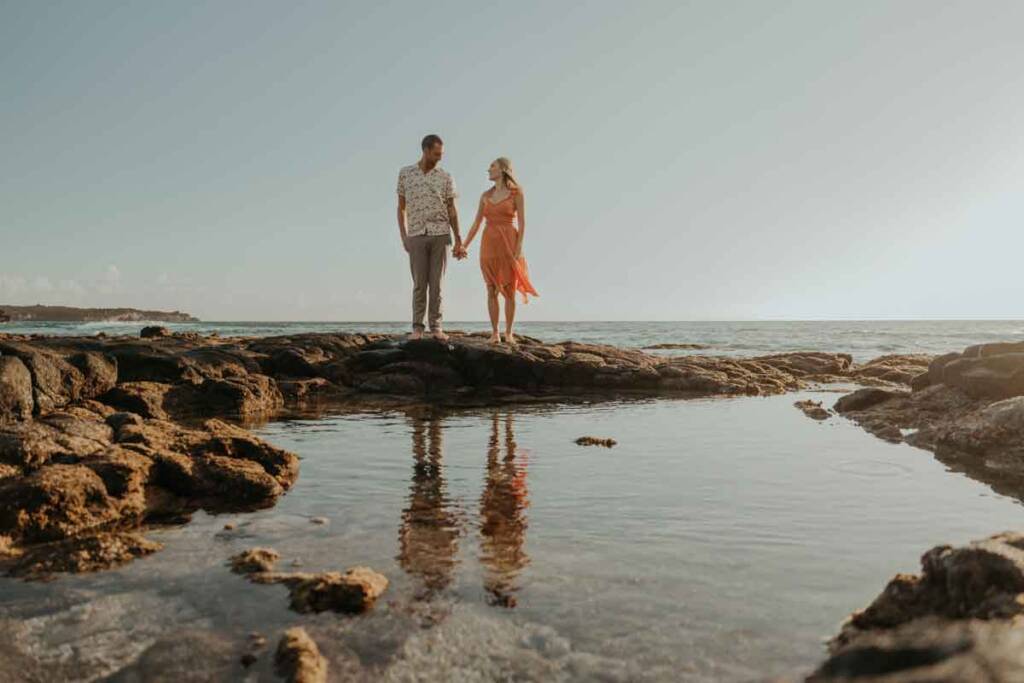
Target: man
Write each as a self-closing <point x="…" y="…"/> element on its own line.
<point x="426" y="212"/>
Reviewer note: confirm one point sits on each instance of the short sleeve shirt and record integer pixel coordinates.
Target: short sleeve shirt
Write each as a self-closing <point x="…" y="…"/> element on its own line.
<point x="426" y="199"/>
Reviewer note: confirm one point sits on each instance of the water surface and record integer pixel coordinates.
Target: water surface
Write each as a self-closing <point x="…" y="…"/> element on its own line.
<point x="721" y="540"/>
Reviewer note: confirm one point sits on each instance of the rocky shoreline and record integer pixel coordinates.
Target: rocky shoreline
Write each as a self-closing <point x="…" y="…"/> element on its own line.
<point x="101" y="437"/>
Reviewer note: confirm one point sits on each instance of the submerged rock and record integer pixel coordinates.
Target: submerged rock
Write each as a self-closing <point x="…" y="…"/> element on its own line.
<point x="930" y="651"/>
<point x="595" y="441"/>
<point x="82" y="554"/>
<point x="254" y="560"/>
<point x="813" y="409"/>
<point x="298" y="659"/>
<point x="353" y="592"/>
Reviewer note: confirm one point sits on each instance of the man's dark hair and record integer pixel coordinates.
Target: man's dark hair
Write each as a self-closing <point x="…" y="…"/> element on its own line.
<point x="430" y="141"/>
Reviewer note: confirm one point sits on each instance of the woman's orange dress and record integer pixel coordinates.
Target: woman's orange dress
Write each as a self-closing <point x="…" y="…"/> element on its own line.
<point x="498" y="260"/>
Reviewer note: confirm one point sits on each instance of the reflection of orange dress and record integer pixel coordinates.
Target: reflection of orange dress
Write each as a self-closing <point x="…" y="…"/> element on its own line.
<point x="498" y="248"/>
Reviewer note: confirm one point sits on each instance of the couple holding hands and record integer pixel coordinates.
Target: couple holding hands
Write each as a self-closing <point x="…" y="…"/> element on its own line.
<point x="427" y="217"/>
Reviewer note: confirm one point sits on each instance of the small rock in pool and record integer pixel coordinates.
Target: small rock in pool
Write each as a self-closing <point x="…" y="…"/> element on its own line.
<point x="298" y="659"/>
<point x="595" y="441"/>
<point x="254" y="560"/>
<point x="230" y="526"/>
<point x="353" y="592"/>
<point x="813" y="409"/>
<point x="319" y="520"/>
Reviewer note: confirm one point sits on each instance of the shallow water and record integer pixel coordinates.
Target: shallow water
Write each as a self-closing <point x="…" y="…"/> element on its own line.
<point x="720" y="540"/>
<point x="864" y="339"/>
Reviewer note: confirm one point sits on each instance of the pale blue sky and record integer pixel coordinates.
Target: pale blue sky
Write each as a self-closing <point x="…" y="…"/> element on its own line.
<point x="682" y="160"/>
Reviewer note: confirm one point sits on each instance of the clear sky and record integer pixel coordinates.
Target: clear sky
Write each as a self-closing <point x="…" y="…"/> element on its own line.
<point x="681" y="160"/>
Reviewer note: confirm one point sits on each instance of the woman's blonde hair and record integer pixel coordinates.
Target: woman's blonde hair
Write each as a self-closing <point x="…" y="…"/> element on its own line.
<point x="506" y="172"/>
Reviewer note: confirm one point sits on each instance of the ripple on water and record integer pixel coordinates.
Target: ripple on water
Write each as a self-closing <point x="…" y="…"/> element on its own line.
<point x="872" y="469"/>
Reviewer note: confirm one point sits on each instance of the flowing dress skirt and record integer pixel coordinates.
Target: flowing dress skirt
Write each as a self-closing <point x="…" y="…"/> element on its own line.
<point x="498" y="263"/>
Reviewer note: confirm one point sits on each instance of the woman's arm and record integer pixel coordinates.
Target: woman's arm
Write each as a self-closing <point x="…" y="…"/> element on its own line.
<point x="476" y="223"/>
<point x="521" y="211"/>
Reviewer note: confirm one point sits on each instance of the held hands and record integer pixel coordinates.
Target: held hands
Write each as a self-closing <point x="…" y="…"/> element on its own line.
<point x="460" y="251"/>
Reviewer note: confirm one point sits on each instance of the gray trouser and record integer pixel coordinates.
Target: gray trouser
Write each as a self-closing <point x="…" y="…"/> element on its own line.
<point x="428" y="258"/>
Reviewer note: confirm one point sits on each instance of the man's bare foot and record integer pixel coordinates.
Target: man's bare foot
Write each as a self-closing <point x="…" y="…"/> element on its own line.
<point x="416" y="334"/>
<point x="439" y="335"/>
<point x="495" y="339"/>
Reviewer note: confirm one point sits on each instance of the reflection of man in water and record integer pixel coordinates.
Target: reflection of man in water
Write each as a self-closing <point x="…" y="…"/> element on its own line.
<point x="428" y="537"/>
<point x="503" y="516"/>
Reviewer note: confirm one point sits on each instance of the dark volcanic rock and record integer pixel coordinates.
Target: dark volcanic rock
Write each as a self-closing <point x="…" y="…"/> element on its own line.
<point x="982" y="580"/>
<point x="153" y="331"/>
<point x="930" y="651"/>
<point x="595" y="441"/>
<point x="956" y="621"/>
<point x="967" y="408"/>
<point x="865" y="398"/>
<point x="813" y="409"/>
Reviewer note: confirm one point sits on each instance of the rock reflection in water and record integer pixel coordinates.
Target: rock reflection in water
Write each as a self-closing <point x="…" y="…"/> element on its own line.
<point x="432" y="522"/>
<point x="503" y="514"/>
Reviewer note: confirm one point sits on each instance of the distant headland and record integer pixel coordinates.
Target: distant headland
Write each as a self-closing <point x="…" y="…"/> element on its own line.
<point x="89" y="315"/>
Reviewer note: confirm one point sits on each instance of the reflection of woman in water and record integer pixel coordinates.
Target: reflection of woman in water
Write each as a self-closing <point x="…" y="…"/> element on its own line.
<point x="503" y="516"/>
<point x="428" y="536"/>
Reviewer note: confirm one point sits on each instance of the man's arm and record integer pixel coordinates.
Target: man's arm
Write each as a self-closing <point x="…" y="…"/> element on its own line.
<point x="401" y="222"/>
<point x="453" y="220"/>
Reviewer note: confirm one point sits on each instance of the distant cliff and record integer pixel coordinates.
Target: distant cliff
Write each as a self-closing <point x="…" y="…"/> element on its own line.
<point x="89" y="315"/>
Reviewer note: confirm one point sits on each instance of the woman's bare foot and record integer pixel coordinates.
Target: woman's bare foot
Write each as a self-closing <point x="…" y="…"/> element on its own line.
<point x="495" y="338"/>
<point x="511" y="339"/>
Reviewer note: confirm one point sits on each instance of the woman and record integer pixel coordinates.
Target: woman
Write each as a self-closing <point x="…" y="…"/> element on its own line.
<point x="501" y="249"/>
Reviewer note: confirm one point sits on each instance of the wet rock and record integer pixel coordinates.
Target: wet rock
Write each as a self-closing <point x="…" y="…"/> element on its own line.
<point x="81" y="554"/>
<point x="142" y="398"/>
<point x="865" y="398"/>
<point x="595" y="441"/>
<point x="298" y="659"/>
<point x="982" y="580"/>
<point x="16" y="401"/>
<point x="320" y="521"/>
<point x="930" y="651"/>
<point x="353" y="592"/>
<point x="55" y="502"/>
<point x="891" y="370"/>
<point x="245" y="396"/>
<point x="154" y="331"/>
<point x="813" y="409"/>
<point x="254" y="560"/>
<point x="99" y="372"/>
<point x="58" y="436"/>
<point x="989" y="375"/>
